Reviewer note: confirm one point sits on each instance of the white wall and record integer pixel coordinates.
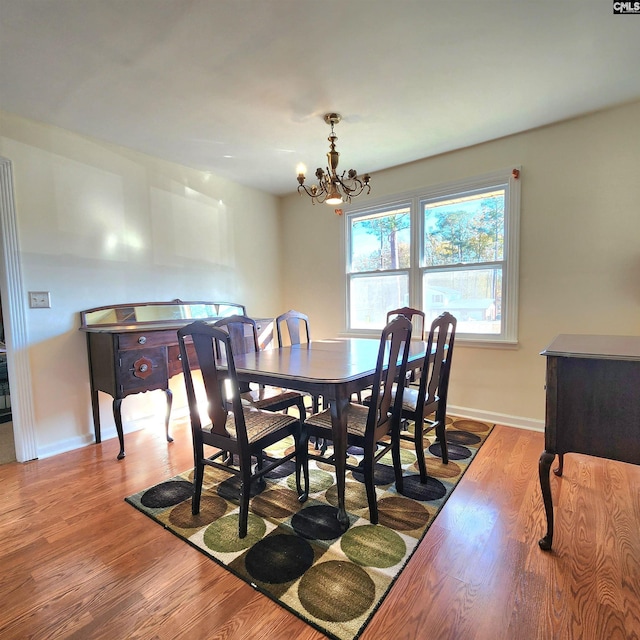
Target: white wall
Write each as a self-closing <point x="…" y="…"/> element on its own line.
<point x="99" y="224"/>
<point x="579" y="248"/>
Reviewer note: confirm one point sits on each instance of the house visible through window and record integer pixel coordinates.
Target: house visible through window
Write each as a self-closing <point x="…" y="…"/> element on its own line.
<point x="451" y="248"/>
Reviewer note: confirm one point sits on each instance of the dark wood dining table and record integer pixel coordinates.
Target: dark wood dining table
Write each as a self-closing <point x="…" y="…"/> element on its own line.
<point x="333" y="369"/>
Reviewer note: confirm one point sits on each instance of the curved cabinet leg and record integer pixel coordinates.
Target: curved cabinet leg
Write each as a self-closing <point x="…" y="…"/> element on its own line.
<point x="560" y="467"/>
<point x="544" y="466"/>
<point x="117" y="416"/>
<point x="167" y="417"/>
<point x="95" y="408"/>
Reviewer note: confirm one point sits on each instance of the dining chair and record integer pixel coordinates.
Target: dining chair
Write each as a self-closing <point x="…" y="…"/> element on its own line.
<point x="417" y="317"/>
<point x="375" y="428"/>
<point x="234" y="428"/>
<point x="244" y="339"/>
<point x="298" y="331"/>
<point x="430" y="396"/>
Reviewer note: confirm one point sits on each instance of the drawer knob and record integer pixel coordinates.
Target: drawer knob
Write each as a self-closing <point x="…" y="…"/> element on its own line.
<point x="142" y="368"/>
<point x="142" y="340"/>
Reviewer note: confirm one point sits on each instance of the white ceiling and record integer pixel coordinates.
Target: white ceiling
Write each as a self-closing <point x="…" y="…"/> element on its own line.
<point x="239" y="87"/>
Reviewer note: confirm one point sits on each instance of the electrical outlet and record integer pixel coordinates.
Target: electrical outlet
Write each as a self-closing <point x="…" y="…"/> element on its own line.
<point x="39" y="299"/>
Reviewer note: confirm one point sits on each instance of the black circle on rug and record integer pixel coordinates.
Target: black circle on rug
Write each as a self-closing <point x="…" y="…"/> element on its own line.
<point x="282" y="471"/>
<point x="230" y="489"/>
<point x="278" y="559"/>
<point x="167" y="494"/>
<point x="432" y="489"/>
<point x="317" y="523"/>
<point x="456" y="451"/>
<point x="382" y="474"/>
<point x="462" y="437"/>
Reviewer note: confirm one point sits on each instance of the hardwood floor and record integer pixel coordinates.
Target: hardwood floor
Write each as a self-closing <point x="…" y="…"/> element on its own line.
<point x="76" y="561"/>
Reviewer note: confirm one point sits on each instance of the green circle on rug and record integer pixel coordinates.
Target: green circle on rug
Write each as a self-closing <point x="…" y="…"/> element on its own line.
<point x="336" y="591"/>
<point x="355" y="496"/>
<point x="222" y="535"/>
<point x="211" y="508"/>
<point x="373" y="546"/>
<point x="407" y="456"/>
<point x="318" y="481"/>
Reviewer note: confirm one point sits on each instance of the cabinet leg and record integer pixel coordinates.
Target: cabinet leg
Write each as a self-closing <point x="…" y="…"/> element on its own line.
<point x="169" y="395"/>
<point x="95" y="408"/>
<point x="117" y="416"/>
<point x="544" y="466"/>
<point x="560" y="467"/>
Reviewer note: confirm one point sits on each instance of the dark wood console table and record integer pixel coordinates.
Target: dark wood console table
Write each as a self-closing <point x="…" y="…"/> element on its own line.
<point x="592" y="405"/>
<point x="134" y="348"/>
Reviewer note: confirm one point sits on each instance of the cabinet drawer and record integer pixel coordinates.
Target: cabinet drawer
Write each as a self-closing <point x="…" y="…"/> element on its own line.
<point x="143" y="369"/>
<point x="138" y="339"/>
<point x="175" y="363"/>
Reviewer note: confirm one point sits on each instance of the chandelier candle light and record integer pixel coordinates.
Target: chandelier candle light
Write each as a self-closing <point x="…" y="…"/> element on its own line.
<point x="332" y="188"/>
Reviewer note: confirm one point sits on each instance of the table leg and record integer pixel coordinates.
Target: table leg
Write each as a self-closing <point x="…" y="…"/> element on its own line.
<point x="338" y="408"/>
<point x="117" y="416"/>
<point x="544" y="466"/>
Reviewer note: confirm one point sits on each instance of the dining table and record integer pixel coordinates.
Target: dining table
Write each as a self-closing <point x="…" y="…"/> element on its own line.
<point x="334" y="369"/>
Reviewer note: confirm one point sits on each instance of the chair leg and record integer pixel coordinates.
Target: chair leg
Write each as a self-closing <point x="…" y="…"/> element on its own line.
<point x="441" y="434"/>
<point x="369" y="482"/>
<point x="397" y="465"/>
<point x="302" y="464"/>
<point x="198" y="477"/>
<point x="262" y="483"/>
<point x="245" y="494"/>
<point x="419" y="445"/>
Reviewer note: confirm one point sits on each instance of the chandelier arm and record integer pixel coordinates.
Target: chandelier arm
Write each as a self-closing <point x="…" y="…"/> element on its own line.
<point x="351" y="190"/>
<point x="315" y="197"/>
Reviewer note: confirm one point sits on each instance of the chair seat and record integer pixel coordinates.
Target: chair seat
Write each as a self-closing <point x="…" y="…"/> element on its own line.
<point x="264" y="397"/>
<point x="410" y="399"/>
<point x="259" y="424"/>
<point x="356" y="420"/>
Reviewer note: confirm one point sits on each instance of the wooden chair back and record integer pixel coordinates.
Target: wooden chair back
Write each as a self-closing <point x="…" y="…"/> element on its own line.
<point x="221" y="385"/>
<point x="417" y="317"/>
<point x="391" y="366"/>
<point x="298" y="328"/>
<point x="434" y="379"/>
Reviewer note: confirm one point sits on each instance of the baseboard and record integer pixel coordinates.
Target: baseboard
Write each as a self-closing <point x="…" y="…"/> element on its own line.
<point x="151" y="421"/>
<point x="519" y="422"/>
<point x="62" y="446"/>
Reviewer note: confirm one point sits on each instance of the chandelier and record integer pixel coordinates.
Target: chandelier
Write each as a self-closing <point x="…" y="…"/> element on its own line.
<point x="333" y="188"/>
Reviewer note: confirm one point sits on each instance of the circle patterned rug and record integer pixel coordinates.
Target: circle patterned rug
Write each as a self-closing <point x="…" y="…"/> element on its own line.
<point x="295" y="553"/>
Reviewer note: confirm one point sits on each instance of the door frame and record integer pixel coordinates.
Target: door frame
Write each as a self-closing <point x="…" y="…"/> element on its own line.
<point x="14" y="299"/>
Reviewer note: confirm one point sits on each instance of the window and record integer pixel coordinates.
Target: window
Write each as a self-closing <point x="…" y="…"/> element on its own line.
<point x="379" y="265"/>
<point x="450" y="248"/>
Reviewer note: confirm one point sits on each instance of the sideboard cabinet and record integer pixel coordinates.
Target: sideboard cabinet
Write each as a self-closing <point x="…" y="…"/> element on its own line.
<point x="133" y="348"/>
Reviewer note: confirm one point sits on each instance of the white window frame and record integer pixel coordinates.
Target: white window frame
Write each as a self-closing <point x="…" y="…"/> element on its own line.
<point x="509" y="179"/>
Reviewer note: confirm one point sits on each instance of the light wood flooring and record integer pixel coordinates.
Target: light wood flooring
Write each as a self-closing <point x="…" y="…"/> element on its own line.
<point x="76" y="561"/>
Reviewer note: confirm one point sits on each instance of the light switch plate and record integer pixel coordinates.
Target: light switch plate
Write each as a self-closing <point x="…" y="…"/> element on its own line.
<point x="39" y="299"/>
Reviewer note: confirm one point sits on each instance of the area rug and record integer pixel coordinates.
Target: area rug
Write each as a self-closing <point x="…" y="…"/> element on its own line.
<point x="294" y="553"/>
